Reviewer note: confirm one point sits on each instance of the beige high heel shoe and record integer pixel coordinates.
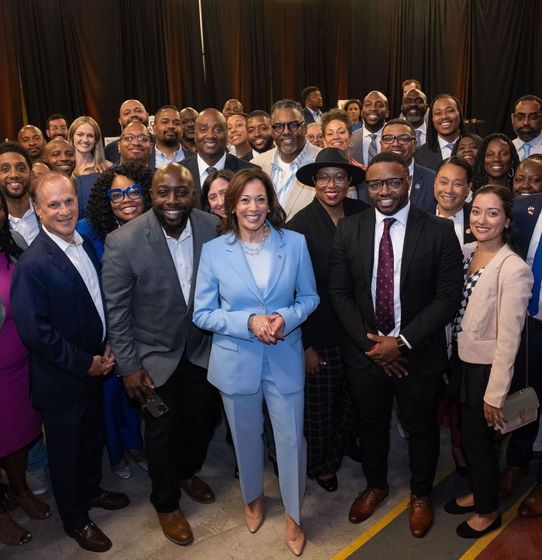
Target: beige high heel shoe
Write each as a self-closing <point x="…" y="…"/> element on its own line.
<point x="297" y="543"/>
<point x="254" y="514"/>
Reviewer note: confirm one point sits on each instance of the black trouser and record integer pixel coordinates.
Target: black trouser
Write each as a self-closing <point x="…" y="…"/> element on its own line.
<point x="520" y="446"/>
<point x="373" y="391"/>
<point x="479" y="443"/>
<point x="75" y="448"/>
<point x="176" y="443"/>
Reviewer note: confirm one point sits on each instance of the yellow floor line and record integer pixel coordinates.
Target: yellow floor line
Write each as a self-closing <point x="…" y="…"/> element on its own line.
<point x="509" y="515"/>
<point x="381" y="523"/>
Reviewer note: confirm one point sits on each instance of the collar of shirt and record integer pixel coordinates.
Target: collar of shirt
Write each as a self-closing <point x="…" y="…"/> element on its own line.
<point x="185" y="234"/>
<point x="443" y="143"/>
<point x="316" y="113"/>
<point x="203" y="165"/>
<point x="534" y="143"/>
<point x="62" y="243"/>
<point x="27" y="214"/>
<point x="422" y="128"/>
<point x="306" y="155"/>
<point x="367" y="133"/>
<point x="401" y="216"/>
<point x="163" y="158"/>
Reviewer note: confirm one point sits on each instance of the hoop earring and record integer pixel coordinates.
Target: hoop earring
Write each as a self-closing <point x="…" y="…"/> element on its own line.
<point x="511" y="172"/>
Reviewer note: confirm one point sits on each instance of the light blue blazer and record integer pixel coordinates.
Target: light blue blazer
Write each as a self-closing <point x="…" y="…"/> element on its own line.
<point x="226" y="295"/>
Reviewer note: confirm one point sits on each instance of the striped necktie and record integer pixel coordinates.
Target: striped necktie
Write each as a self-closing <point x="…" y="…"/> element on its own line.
<point x="373" y="150"/>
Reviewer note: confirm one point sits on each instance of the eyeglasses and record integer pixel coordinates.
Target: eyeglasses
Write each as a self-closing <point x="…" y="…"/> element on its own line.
<point x="340" y="179"/>
<point x="531" y="117"/>
<point x="133" y="192"/>
<point x="292" y="126"/>
<point x="401" y="139"/>
<point x="129" y="138"/>
<point x="393" y="183"/>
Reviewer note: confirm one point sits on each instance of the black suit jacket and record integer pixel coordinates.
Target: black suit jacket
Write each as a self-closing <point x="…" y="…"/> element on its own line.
<point x="232" y="162"/>
<point x="307" y="116"/>
<point x="427" y="158"/>
<point x="421" y="192"/>
<point x="58" y="321"/>
<point x="431" y="287"/>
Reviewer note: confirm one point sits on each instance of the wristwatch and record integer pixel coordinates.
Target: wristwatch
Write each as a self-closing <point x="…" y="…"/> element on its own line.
<point x="403" y="348"/>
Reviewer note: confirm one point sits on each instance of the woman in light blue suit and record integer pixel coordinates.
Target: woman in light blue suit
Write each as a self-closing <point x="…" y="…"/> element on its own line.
<point x="255" y="287"/>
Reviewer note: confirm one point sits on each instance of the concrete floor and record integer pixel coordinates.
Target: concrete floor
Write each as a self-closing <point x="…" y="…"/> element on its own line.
<point x="219" y="528"/>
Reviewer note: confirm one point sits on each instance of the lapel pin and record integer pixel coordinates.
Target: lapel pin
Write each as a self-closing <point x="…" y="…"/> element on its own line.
<point x="530" y="210"/>
<point x="468" y="230"/>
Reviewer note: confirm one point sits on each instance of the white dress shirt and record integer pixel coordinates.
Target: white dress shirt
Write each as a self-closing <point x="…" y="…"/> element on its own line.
<point x="533" y="245"/>
<point x="459" y="224"/>
<point x="397" y="235"/>
<point x="203" y="166"/>
<point x="182" y="253"/>
<point x="367" y="141"/>
<point x="535" y="143"/>
<point x="27" y="226"/>
<point x="84" y="266"/>
<point x="445" y="151"/>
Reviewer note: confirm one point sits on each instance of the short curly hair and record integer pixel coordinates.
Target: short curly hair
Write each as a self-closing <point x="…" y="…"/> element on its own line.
<point x="99" y="212"/>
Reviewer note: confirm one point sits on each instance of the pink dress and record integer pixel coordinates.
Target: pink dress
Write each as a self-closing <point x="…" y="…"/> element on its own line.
<point x="19" y="422"/>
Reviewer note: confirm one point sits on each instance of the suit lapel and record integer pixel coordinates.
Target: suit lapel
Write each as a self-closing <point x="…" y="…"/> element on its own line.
<point x="412" y="236"/>
<point x="295" y="192"/>
<point x="160" y="251"/>
<point x="277" y="260"/>
<point x="366" y="243"/>
<point x="416" y="188"/>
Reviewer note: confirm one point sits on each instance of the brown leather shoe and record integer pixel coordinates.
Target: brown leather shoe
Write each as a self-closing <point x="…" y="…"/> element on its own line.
<point x="90" y="537"/>
<point x="421" y="515"/>
<point x="176" y="527"/>
<point x="365" y="504"/>
<point x="531" y="506"/>
<point x="510" y="479"/>
<point x="198" y="490"/>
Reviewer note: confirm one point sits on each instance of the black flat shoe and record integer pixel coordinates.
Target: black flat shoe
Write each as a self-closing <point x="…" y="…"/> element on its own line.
<point x="467" y="532"/>
<point x="455" y="509"/>
<point x="328" y="484"/>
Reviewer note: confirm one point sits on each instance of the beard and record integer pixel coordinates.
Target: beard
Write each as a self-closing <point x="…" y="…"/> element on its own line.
<point x="174" y="230"/>
<point x="527" y="133"/>
<point x="171" y="141"/>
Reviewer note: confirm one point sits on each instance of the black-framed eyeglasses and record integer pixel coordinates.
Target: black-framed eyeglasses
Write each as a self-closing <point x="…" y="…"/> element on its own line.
<point x="323" y="179"/>
<point x="133" y="192"/>
<point x="393" y="183"/>
<point x="401" y="139"/>
<point x="129" y="138"/>
<point x="292" y="126"/>
<point x="531" y="117"/>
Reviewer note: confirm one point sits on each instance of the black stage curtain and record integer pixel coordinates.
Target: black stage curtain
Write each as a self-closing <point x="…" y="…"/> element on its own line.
<point x="81" y="57"/>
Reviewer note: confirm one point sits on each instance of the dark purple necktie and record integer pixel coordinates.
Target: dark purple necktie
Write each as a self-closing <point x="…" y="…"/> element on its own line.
<point x="384" y="312"/>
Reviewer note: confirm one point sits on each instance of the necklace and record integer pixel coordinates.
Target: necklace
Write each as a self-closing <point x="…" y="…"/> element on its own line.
<point x="255" y="248"/>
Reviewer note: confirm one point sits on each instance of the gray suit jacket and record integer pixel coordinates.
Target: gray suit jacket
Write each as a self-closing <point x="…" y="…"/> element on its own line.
<point x="150" y="323"/>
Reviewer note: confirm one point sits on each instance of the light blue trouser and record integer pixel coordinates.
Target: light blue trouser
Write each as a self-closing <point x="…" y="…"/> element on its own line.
<point x="245" y="417"/>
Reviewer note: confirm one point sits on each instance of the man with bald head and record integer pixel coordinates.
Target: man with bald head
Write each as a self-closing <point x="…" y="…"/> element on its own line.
<point x="231" y="107"/>
<point x="366" y="140"/>
<point x="149" y="273"/>
<point x="135" y="143"/>
<point x="188" y="125"/>
<point x="31" y="138"/>
<point x="59" y="156"/>
<point x="211" y="136"/>
<point x="130" y="111"/>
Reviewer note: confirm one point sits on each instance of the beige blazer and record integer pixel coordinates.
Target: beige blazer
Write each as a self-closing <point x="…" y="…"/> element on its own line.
<point x="300" y="195"/>
<point x="491" y="331"/>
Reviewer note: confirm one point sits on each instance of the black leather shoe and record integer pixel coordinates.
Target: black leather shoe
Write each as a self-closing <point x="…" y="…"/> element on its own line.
<point x="467" y="532"/>
<point x="328" y="484"/>
<point x="455" y="509"/>
<point x="109" y="500"/>
<point x="198" y="490"/>
<point x="90" y="537"/>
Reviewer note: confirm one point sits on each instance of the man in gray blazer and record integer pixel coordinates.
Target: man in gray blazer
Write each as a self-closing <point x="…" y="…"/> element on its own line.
<point x="149" y="272"/>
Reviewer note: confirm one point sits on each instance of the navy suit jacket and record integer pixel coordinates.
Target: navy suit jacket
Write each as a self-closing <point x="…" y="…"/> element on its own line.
<point x="232" y="162"/>
<point x="526" y="212"/>
<point x="421" y="192"/>
<point x="427" y="158"/>
<point x="57" y="320"/>
<point x="307" y="116"/>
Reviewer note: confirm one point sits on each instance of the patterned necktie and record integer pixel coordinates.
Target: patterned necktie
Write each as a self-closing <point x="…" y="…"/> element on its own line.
<point x="418" y="137"/>
<point x="537" y="273"/>
<point x="210" y="170"/>
<point x="450" y="147"/>
<point x="526" y="151"/>
<point x="373" y="150"/>
<point x="384" y="312"/>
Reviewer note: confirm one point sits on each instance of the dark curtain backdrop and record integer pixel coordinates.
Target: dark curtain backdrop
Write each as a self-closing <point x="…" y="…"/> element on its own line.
<point x="79" y="57"/>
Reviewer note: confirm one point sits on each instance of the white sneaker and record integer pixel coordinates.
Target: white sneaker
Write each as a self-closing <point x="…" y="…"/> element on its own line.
<point x="122" y="469"/>
<point x="37" y="481"/>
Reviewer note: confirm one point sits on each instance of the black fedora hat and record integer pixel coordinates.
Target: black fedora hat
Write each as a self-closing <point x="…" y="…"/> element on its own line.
<point x="329" y="157"/>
